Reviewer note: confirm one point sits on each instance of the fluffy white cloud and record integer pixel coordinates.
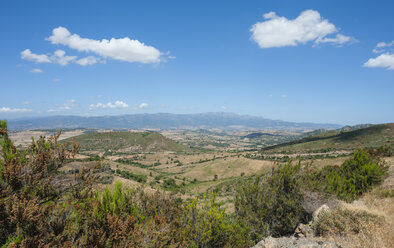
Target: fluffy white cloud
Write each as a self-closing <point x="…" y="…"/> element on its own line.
<point x="58" y="57"/>
<point x="90" y="60"/>
<point x="38" y="58"/>
<point x="36" y="70"/>
<point x="143" y="105"/>
<point x="123" y="49"/>
<point x="116" y="105"/>
<point x="14" y="110"/>
<point x="385" y="60"/>
<point x="277" y="31"/>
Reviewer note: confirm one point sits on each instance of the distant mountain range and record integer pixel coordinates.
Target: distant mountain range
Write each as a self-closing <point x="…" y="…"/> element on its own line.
<point x="163" y="121"/>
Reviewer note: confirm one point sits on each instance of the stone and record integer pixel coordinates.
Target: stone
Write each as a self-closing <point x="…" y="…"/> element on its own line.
<point x="323" y="208"/>
<point x="304" y="230"/>
<point x="285" y="242"/>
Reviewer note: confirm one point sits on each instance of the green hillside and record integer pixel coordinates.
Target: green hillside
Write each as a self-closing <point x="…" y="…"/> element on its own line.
<point x="124" y="141"/>
<point x="373" y="136"/>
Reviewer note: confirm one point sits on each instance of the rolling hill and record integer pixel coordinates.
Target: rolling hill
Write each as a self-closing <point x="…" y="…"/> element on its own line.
<point x="372" y="136"/>
<point x="130" y="142"/>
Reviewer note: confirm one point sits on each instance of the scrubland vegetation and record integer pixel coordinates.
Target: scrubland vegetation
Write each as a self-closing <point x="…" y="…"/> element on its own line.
<point x="43" y="205"/>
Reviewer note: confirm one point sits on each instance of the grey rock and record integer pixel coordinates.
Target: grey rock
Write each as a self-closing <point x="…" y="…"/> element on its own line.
<point x="304" y="230"/>
<point x="285" y="242"/>
<point x="313" y="200"/>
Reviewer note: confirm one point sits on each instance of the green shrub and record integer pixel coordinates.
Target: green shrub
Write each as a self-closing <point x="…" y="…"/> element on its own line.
<point x="206" y="224"/>
<point x="170" y="184"/>
<point x="356" y="176"/>
<point x="129" y="175"/>
<point x="271" y="204"/>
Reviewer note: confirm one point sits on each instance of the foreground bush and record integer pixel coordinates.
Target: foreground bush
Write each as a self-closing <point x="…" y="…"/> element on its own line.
<point x="206" y="224"/>
<point x="41" y="207"/>
<point x="271" y="204"/>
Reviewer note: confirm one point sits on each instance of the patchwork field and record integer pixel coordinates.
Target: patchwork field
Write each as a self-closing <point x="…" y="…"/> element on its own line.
<point x="188" y="162"/>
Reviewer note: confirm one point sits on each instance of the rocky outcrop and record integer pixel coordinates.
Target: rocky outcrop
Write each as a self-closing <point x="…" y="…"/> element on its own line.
<point x="304" y="231"/>
<point x="304" y="236"/>
<point x="285" y="242"/>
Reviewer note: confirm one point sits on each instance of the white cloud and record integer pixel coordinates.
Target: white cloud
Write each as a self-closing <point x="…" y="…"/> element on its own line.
<point x="123" y="49"/>
<point x="277" y="31"/>
<point x="384" y="44"/>
<point x="385" y="60"/>
<point x="90" y="60"/>
<point x="382" y="47"/>
<point x="69" y="104"/>
<point x="36" y="70"/>
<point x="284" y="96"/>
<point x="58" y="57"/>
<point x="38" y="58"/>
<point x="14" y="110"/>
<point x="338" y="40"/>
<point x="26" y="103"/>
<point x="143" y="105"/>
<point x="116" y="105"/>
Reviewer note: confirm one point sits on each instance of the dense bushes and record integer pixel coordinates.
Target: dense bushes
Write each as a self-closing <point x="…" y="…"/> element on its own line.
<point x="129" y="175"/>
<point x="271" y="204"/>
<point x="357" y="175"/>
<point x="206" y="224"/>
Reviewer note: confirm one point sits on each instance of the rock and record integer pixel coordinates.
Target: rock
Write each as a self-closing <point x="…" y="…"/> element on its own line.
<point x="323" y="208"/>
<point x="285" y="242"/>
<point x="304" y="230"/>
<point x="313" y="200"/>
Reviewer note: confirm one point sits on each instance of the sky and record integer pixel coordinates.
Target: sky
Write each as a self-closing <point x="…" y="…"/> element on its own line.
<point x="321" y="61"/>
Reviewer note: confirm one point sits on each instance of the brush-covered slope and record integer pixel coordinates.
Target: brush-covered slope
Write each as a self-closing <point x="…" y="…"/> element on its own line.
<point x="373" y="136"/>
<point x="124" y="141"/>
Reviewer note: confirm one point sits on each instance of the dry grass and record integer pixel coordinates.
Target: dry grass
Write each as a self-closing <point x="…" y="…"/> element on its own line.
<point x="374" y="232"/>
<point x="224" y="168"/>
<point x="371" y="231"/>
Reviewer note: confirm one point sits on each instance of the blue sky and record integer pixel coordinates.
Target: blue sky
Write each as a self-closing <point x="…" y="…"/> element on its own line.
<point x="309" y="61"/>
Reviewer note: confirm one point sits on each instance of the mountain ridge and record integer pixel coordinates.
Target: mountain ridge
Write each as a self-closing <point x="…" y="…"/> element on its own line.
<point x="220" y="120"/>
